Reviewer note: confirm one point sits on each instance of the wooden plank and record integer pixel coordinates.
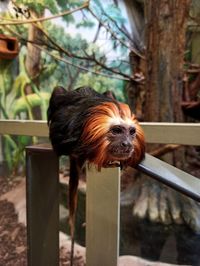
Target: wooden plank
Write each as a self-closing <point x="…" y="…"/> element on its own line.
<point x="102" y="217"/>
<point x="174" y="133"/>
<point x="42" y="168"/>
<point x="24" y="127"/>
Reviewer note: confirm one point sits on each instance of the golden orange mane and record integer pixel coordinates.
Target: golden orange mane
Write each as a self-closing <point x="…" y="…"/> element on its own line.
<point x="96" y="127"/>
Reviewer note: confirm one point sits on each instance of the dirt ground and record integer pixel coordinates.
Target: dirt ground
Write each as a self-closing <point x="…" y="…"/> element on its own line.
<point x="13" y="248"/>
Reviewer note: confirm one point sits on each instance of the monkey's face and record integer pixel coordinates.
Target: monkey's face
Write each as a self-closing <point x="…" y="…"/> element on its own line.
<point x="112" y="133"/>
<point x="120" y="139"/>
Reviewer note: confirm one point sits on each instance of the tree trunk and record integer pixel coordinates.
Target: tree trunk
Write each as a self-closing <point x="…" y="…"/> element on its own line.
<point x="33" y="61"/>
<point x="136" y="90"/>
<point x="33" y="53"/>
<point x="165" y="47"/>
<point x="165" y="34"/>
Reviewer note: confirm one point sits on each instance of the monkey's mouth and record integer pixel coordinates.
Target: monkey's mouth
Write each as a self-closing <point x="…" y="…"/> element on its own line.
<point x="121" y="154"/>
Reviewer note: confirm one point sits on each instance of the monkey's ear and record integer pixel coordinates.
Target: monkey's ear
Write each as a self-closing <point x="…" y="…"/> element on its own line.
<point x="110" y="94"/>
<point x="58" y="91"/>
<point x="57" y="96"/>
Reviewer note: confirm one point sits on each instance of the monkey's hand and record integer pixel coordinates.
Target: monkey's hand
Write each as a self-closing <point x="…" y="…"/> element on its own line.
<point x="112" y="164"/>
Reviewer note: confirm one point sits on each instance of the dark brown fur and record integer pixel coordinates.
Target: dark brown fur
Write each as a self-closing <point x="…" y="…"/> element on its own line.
<point x="92" y="127"/>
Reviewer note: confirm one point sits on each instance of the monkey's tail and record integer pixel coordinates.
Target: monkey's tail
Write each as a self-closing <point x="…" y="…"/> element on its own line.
<point x="72" y="252"/>
<point x="75" y="169"/>
<point x="72" y="214"/>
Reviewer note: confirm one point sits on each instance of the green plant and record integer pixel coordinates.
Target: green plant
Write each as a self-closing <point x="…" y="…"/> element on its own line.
<point x="66" y="59"/>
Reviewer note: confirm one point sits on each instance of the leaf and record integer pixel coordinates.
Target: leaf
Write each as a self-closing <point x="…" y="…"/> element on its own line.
<point x="20" y="82"/>
<point x="24" y="140"/>
<point x="32" y="100"/>
<point x="52" y="6"/>
<point x="85" y="24"/>
<point x="6" y="69"/>
<point x="115" y="13"/>
<point x="48" y="70"/>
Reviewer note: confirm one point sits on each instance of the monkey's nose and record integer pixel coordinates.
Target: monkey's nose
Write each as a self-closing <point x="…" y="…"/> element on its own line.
<point x="126" y="144"/>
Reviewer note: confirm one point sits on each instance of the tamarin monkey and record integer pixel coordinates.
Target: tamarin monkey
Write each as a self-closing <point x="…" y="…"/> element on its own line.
<point x="94" y="128"/>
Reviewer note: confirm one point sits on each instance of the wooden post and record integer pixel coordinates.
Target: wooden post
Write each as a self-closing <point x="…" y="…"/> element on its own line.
<point x="102" y="217"/>
<point x="42" y="167"/>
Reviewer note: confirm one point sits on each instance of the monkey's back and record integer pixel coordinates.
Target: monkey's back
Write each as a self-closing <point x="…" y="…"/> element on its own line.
<point x="67" y="113"/>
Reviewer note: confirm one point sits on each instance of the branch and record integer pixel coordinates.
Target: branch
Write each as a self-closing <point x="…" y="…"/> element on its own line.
<point x="107" y="68"/>
<point x="80" y="67"/>
<point x="72" y="78"/>
<point x="69" y="54"/>
<point x="19" y="22"/>
<point x="114" y="34"/>
<point x="59" y="48"/>
<point x="97" y="33"/>
<point x="165" y="149"/>
<point x="21" y="38"/>
<point x="123" y="30"/>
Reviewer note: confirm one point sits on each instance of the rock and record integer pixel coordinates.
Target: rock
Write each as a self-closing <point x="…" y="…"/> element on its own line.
<point x="160" y="204"/>
<point x="135" y="261"/>
<point x="17" y="196"/>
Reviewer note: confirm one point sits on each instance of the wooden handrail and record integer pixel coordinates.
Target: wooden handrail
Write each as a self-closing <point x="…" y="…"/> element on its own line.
<point x="174" y="133"/>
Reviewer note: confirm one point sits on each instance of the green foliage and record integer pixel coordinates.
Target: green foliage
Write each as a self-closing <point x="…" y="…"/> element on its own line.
<point x="15" y="103"/>
<point x="39" y="6"/>
<point x="11" y="91"/>
<point x="114" y="12"/>
<point x="85" y="24"/>
<point x="68" y="5"/>
<point x="14" y="147"/>
<point x="112" y="16"/>
<point x="5" y="79"/>
<point x="32" y="100"/>
<point x="6" y="93"/>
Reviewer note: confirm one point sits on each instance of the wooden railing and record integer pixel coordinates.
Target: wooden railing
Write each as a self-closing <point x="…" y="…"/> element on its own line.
<point x="174" y="133"/>
<point x="103" y="193"/>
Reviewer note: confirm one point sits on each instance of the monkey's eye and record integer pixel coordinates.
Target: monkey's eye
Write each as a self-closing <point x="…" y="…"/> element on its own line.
<point x="132" y="131"/>
<point x="116" y="130"/>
